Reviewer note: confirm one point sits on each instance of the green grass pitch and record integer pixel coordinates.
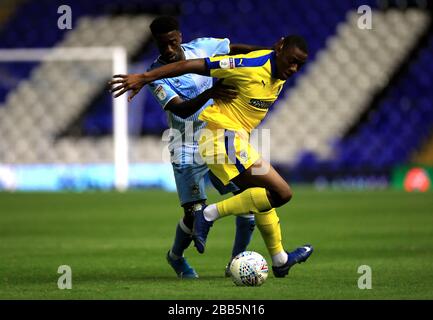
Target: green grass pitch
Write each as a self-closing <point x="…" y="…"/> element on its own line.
<point x="116" y="245"/>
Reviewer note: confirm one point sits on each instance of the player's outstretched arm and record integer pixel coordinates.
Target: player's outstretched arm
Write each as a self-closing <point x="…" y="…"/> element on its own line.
<point x="122" y="83"/>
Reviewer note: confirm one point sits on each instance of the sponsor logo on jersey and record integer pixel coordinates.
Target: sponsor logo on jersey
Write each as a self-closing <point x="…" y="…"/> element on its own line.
<point x="160" y="93"/>
<point x="260" y="104"/>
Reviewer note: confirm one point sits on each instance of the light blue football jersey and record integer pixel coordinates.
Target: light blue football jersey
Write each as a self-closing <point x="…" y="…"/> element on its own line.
<point x="183" y="146"/>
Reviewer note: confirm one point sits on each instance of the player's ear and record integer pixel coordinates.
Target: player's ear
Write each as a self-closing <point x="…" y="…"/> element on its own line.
<point x="279" y="45"/>
<point x="180" y="37"/>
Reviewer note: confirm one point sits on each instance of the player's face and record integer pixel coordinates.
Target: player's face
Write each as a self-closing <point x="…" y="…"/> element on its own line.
<point x="169" y="46"/>
<point x="289" y="61"/>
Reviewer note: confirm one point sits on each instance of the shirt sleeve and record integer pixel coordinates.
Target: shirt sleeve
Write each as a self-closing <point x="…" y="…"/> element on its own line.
<point x="162" y="92"/>
<point x="214" y="46"/>
<point x="227" y="66"/>
<point x="222" y="66"/>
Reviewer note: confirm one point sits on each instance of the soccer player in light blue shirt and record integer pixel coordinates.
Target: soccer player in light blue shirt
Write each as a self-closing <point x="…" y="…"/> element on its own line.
<point x="179" y="97"/>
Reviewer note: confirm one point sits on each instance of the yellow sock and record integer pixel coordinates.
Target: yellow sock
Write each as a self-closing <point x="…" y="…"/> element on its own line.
<point x="269" y="226"/>
<point x="252" y="200"/>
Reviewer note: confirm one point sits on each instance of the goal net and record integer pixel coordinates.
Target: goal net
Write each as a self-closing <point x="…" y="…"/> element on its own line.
<point x="44" y="95"/>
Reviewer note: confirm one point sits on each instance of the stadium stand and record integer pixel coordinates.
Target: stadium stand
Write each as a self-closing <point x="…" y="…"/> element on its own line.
<point x="400" y="124"/>
<point x="339" y="85"/>
<point x="363" y="101"/>
<point x="33" y="114"/>
<point x="7" y="9"/>
<point x="425" y="155"/>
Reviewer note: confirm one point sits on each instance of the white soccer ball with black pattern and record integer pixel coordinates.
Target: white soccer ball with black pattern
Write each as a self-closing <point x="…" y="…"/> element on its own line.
<point x="249" y="268"/>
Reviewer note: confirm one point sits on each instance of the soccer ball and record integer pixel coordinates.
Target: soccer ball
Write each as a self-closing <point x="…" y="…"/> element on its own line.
<point x="249" y="268"/>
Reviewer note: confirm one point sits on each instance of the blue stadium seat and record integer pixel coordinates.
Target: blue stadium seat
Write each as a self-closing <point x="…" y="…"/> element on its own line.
<point x="388" y="137"/>
<point x="404" y="118"/>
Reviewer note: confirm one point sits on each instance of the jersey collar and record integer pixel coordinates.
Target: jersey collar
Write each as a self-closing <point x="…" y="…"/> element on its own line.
<point x="273" y="61"/>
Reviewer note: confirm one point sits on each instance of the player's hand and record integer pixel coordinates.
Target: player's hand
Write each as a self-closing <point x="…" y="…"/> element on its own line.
<point x="122" y="83"/>
<point x="220" y="91"/>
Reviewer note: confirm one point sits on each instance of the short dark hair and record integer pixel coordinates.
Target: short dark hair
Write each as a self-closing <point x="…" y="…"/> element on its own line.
<point x="164" y="24"/>
<point x="295" y="41"/>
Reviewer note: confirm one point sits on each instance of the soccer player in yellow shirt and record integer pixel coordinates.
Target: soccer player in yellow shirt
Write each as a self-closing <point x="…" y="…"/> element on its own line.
<point x="258" y="78"/>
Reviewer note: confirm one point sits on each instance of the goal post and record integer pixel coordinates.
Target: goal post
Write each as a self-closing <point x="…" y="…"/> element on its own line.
<point x="120" y="123"/>
<point x="118" y="56"/>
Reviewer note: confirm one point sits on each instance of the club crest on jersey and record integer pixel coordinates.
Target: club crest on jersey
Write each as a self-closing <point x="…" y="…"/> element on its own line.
<point x="243" y="155"/>
<point x="177" y="82"/>
<point x="227" y="63"/>
<point x="160" y="93"/>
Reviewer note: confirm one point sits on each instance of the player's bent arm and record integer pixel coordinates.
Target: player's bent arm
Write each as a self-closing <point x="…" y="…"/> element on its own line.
<point x="239" y="48"/>
<point x="185" y="108"/>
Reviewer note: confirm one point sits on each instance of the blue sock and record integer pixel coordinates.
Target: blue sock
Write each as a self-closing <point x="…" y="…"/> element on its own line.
<point x="182" y="240"/>
<point x="244" y="233"/>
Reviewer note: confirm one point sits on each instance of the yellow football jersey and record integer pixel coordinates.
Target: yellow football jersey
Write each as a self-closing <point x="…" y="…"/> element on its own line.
<point x="252" y="76"/>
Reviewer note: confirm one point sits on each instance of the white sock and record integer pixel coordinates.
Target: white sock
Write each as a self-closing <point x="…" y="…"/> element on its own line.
<point x="211" y="212"/>
<point x="279" y="259"/>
